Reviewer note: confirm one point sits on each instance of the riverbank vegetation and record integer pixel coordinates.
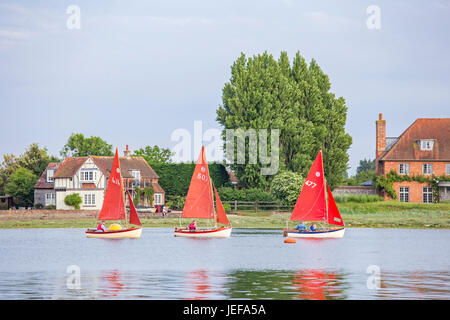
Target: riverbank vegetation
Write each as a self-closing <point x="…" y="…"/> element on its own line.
<point x="382" y="214"/>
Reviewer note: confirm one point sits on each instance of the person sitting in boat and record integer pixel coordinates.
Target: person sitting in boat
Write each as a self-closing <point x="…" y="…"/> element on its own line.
<point x="301" y="226"/>
<point x="101" y="227"/>
<point x="313" y="227"/>
<point x="193" y="226"/>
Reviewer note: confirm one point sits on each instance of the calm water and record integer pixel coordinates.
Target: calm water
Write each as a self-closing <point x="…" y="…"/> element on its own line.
<point x="252" y="264"/>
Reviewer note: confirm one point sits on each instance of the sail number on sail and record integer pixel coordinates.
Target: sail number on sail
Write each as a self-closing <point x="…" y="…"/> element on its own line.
<point x="311" y="184"/>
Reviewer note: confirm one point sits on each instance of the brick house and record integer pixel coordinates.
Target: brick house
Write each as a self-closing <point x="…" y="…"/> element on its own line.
<point x="88" y="177"/>
<point x="422" y="149"/>
<point x="44" y="189"/>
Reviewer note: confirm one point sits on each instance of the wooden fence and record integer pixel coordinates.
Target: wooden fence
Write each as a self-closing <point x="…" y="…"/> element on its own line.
<point x="258" y="206"/>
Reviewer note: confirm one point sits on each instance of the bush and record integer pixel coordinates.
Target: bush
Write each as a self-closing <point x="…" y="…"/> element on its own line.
<point x="51" y="207"/>
<point x="253" y="194"/>
<point x="3" y="206"/>
<point x="286" y="186"/>
<point x="73" y="200"/>
<point x="38" y="205"/>
<point x="358" y="198"/>
<point x="226" y="207"/>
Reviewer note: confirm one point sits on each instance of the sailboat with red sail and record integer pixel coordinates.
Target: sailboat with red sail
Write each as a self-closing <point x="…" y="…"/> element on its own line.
<point x="113" y="208"/>
<point x="312" y="205"/>
<point x="199" y="204"/>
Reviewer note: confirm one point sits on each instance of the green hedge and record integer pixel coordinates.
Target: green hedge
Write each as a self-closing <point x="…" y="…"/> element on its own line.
<point x="253" y="194"/>
<point x="175" y="178"/>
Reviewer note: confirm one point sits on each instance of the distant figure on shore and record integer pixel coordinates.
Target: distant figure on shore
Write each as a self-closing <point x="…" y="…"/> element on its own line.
<point x="301" y="226"/>
<point x="313" y="227"/>
<point x="101" y="227"/>
<point x="193" y="226"/>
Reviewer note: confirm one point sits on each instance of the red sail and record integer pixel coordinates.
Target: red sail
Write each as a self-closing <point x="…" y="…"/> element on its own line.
<point x="134" y="218"/>
<point x="221" y="215"/>
<point x="311" y="204"/>
<point x="113" y="204"/>
<point x="199" y="200"/>
<point x="333" y="213"/>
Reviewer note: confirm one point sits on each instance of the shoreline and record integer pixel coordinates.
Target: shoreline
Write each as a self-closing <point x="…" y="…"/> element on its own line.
<point x="394" y="220"/>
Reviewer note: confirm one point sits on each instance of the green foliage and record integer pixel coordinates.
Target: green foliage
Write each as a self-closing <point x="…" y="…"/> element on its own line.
<point x="286" y="186"/>
<point x="226" y="207"/>
<point x="251" y="194"/>
<point x="267" y="94"/>
<point x="359" y="198"/>
<point x="175" y="178"/>
<point x="365" y="165"/>
<point x="38" y="205"/>
<point x="34" y="159"/>
<point x="175" y="202"/>
<point x="79" y="146"/>
<point x="154" y="154"/>
<point x="73" y="200"/>
<point x="21" y="185"/>
<point x="146" y="193"/>
<point x="50" y="207"/>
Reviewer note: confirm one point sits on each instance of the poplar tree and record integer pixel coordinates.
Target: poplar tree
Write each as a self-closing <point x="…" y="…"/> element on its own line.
<point x="264" y="93"/>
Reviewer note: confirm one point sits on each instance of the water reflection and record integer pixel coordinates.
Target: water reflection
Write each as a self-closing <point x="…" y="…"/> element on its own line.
<point x="114" y="284"/>
<point x="198" y="284"/>
<point x="319" y="285"/>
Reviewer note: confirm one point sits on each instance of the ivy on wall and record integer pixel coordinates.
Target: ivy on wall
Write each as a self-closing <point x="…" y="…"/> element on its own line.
<point x="385" y="183"/>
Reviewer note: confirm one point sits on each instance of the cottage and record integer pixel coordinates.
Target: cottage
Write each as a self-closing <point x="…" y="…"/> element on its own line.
<point x="88" y="177"/>
<point x="422" y="149"/>
<point x="44" y="189"/>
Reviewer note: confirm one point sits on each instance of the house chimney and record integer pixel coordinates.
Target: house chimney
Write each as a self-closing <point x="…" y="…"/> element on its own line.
<point x="381" y="139"/>
<point x="127" y="152"/>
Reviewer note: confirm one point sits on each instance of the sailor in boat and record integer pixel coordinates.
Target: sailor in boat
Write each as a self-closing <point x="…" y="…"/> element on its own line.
<point x="193" y="226"/>
<point x="301" y="226"/>
<point x="101" y="227"/>
<point x="313" y="227"/>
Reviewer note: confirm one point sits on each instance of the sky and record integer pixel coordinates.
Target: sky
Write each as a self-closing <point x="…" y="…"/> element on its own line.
<point x="136" y="71"/>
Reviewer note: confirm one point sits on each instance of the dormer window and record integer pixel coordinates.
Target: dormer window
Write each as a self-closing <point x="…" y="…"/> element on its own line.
<point x="50" y="175"/>
<point x="426" y="145"/>
<point x="136" y="174"/>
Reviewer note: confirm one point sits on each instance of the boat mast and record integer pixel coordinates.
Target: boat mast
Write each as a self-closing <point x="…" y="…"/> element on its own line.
<point x="324" y="186"/>
<point x="123" y="196"/>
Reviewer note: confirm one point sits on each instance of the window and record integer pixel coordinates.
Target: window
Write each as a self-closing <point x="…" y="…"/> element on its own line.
<point x="50" y="199"/>
<point x="427" y="168"/>
<point x="403" y="168"/>
<point x="158" y="198"/>
<point x="50" y="175"/>
<point x="427" y="195"/>
<point x="426" y="144"/>
<point x="89" y="200"/>
<point x="404" y="194"/>
<point x="447" y="169"/>
<point x="88" y="175"/>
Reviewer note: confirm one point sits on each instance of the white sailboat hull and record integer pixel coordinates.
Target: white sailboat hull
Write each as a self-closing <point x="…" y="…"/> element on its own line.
<point x="331" y="233"/>
<point x="132" y="233"/>
<point x="223" y="232"/>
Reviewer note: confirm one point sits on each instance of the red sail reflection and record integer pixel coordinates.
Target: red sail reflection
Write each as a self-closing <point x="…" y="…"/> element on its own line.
<point x="199" y="285"/>
<point x="315" y="284"/>
<point x="115" y="284"/>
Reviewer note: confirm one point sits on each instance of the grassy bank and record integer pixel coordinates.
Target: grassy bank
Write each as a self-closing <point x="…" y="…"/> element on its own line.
<point x="384" y="214"/>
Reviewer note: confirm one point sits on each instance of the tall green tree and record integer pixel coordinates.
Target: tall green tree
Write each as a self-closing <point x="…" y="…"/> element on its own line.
<point x="9" y="164"/>
<point x="154" y="154"/>
<point x="36" y="159"/>
<point x="79" y="146"/>
<point x="21" y="185"/>
<point x="364" y="165"/>
<point x="264" y="93"/>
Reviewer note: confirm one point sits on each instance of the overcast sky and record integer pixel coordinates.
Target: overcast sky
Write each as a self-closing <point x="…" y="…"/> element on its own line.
<point x="137" y="70"/>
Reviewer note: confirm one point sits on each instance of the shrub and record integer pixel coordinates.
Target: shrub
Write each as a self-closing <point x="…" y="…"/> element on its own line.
<point x="253" y="194"/>
<point x="286" y="186"/>
<point x="226" y="207"/>
<point x="73" y="200"/>
<point x="39" y="205"/>
<point x="50" y="207"/>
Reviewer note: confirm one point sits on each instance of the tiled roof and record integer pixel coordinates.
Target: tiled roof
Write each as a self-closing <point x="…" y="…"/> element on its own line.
<point x="157" y="188"/>
<point x="42" y="182"/>
<point x="70" y="166"/>
<point x="407" y="148"/>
